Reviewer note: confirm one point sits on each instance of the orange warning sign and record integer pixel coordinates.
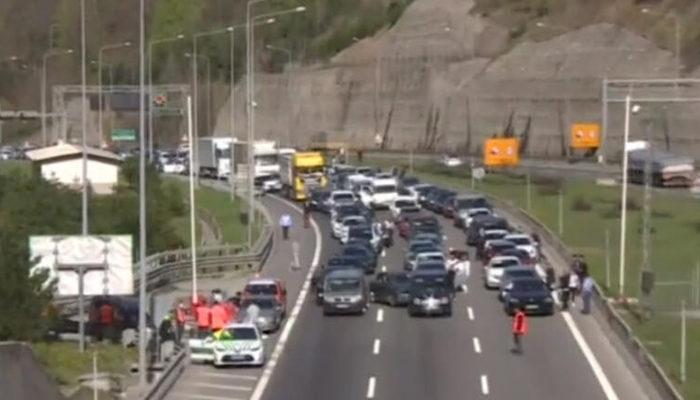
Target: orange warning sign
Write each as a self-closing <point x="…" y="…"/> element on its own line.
<point x="501" y="152"/>
<point x="585" y="136"/>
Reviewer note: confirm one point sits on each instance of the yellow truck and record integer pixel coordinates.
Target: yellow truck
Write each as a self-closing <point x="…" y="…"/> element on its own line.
<point x="300" y="172"/>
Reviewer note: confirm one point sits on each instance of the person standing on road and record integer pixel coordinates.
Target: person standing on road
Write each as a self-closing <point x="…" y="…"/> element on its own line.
<point x="203" y="314"/>
<point x="180" y="317"/>
<point x="564" y="291"/>
<point x="219" y="317"/>
<point x="519" y="329"/>
<point x="307" y="213"/>
<point x="285" y="224"/>
<point x="587" y="294"/>
<point x="574" y="283"/>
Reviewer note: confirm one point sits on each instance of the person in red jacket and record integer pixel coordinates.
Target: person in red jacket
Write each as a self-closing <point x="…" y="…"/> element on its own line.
<point x="519" y="329"/>
<point x="180" y="319"/>
<point x="219" y="317"/>
<point x="203" y="315"/>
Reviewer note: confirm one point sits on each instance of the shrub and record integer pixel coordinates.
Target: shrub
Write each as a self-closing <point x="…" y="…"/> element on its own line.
<point x="581" y="204"/>
<point x="548" y="186"/>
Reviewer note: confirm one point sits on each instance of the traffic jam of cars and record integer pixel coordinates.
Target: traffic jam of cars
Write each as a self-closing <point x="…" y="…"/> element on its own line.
<point x="367" y="208"/>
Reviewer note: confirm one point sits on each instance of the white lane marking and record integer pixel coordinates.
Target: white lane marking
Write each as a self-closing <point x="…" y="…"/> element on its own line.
<point x="465" y="288"/>
<point x="383" y="268"/>
<point x="284" y="336"/>
<point x="225" y="387"/>
<point x="227" y="376"/>
<point x="371" y="386"/>
<point x="590" y="357"/>
<point x="470" y="313"/>
<point x="484" y="384"/>
<point x="444" y="237"/>
<point x="477" y="345"/>
<point x="375" y="347"/>
<point x="380" y="315"/>
<point x="195" y="396"/>
<point x="383" y="252"/>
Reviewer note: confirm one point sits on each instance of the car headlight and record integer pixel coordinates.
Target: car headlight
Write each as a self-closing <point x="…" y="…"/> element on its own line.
<point x="445" y="300"/>
<point x="416" y="301"/>
<point x="262" y="320"/>
<point x="355" y="299"/>
<point x="513" y="300"/>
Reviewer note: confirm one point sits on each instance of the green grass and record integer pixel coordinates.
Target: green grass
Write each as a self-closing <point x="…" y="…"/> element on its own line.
<point x="674" y="250"/>
<point x="11" y="167"/>
<point x="65" y="363"/>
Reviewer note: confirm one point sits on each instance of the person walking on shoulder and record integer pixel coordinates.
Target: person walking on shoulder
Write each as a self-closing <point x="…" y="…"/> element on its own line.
<point x="519" y="329"/>
<point x="587" y="294"/>
<point x="285" y="224"/>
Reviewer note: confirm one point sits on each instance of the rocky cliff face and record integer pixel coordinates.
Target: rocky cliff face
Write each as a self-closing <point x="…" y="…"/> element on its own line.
<point x="435" y="82"/>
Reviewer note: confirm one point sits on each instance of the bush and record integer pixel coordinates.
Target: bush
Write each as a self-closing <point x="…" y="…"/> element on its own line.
<point x="548" y="186"/>
<point x="581" y="204"/>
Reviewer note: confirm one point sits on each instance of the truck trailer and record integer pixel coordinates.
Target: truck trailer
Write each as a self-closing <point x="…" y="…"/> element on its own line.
<point x="214" y="157"/>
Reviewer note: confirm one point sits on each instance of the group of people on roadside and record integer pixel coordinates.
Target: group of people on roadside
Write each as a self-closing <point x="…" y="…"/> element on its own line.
<point x="576" y="283"/>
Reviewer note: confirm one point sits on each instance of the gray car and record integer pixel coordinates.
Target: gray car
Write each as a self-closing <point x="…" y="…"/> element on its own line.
<point x="263" y="311"/>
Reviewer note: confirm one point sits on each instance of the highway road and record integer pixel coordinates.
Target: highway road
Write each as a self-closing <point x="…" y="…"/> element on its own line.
<point x="387" y="355"/>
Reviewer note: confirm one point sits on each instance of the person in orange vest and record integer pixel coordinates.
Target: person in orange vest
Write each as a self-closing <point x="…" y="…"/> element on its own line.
<point x="219" y="317"/>
<point x="231" y="311"/>
<point x="180" y="317"/>
<point x="106" y="315"/>
<point x="519" y="329"/>
<point x="203" y="319"/>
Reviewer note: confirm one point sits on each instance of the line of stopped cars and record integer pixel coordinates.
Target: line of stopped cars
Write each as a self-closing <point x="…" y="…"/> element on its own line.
<point x="428" y="282"/>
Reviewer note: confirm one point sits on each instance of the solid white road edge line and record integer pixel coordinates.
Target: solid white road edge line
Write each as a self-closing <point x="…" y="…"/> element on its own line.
<point x="375" y="347"/>
<point x="477" y="345"/>
<point x="470" y="313"/>
<point x="371" y="386"/>
<point x="195" y="396"/>
<point x="484" y="384"/>
<point x="284" y="336"/>
<point x="590" y="357"/>
<point x="380" y="315"/>
<point x="224" y="387"/>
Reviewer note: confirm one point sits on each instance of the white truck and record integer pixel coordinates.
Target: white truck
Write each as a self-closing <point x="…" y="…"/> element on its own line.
<point x="214" y="157"/>
<point x="265" y="160"/>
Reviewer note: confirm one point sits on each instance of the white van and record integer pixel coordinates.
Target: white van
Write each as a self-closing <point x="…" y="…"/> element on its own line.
<point x="380" y="193"/>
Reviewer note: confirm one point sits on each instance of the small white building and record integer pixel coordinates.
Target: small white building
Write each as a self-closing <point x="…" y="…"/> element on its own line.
<point x="63" y="164"/>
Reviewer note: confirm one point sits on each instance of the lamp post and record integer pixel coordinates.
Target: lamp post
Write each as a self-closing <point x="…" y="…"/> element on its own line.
<point x="250" y="84"/>
<point x="289" y="97"/>
<point x="193" y="145"/>
<point x="142" y="195"/>
<point x="150" y="88"/>
<point x="45" y="58"/>
<point x="99" y="79"/>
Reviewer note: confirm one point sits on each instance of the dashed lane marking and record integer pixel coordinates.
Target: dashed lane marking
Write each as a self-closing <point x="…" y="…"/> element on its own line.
<point x="380" y="315"/>
<point x="224" y="387"/>
<point x="284" y="336"/>
<point x="484" y="384"/>
<point x="375" y="347"/>
<point x="477" y="345"/>
<point x="371" y="386"/>
<point x="383" y="268"/>
<point x="470" y="313"/>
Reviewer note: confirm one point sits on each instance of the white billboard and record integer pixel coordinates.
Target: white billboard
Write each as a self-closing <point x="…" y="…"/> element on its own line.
<point x="106" y="261"/>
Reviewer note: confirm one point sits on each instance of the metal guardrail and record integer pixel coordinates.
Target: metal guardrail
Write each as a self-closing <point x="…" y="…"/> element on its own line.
<point x="633" y="344"/>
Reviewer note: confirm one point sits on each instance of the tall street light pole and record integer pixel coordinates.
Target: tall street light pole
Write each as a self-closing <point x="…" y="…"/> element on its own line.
<point x="250" y="22"/>
<point x="45" y="58"/>
<point x="289" y="96"/>
<point x="99" y="79"/>
<point x="142" y="195"/>
<point x="193" y="146"/>
<point x="150" y="88"/>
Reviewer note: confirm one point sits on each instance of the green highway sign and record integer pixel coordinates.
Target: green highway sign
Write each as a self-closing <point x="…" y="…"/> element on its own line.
<point x="124" y="135"/>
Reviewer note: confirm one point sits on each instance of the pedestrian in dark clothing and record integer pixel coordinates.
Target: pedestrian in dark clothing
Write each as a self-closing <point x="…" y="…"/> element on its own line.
<point x="551" y="278"/>
<point x="166" y="330"/>
<point x="307" y="213"/>
<point x="564" y="291"/>
<point x="587" y="294"/>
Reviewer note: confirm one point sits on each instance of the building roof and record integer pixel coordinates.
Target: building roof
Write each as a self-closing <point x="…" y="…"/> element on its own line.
<point x="67" y="150"/>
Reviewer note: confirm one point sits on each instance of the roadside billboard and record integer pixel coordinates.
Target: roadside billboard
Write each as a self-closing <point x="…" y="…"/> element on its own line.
<point x="585" y="136"/>
<point x="107" y="260"/>
<point x="501" y="152"/>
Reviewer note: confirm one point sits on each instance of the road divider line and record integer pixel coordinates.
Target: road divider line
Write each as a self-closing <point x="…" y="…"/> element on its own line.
<point x="477" y="345"/>
<point x="383" y="252"/>
<point x="470" y="313"/>
<point x="590" y="357"/>
<point x="375" y="347"/>
<point x="291" y="320"/>
<point x="383" y="268"/>
<point x="224" y="387"/>
<point x="484" y="384"/>
<point x="227" y="376"/>
<point x="380" y="315"/>
<point x="371" y="386"/>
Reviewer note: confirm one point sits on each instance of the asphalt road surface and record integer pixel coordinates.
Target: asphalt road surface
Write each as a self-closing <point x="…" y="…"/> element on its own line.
<point x="384" y="354"/>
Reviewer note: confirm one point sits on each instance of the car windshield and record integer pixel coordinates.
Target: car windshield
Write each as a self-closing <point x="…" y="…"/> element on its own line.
<point x="270" y="159"/>
<point x="422" y="282"/>
<point x="519" y="240"/>
<point x="242" y="333"/>
<point x="399" y="279"/>
<point x="422" y="248"/>
<point x="505" y="263"/>
<point x="353" y="221"/>
<point x="262" y="288"/>
<point x="343" y="285"/>
<point x="493" y="235"/>
<point x="360" y="234"/>
<point x="260" y="302"/>
<point x="520" y="273"/>
<point x="343" y="197"/>
<point x="528" y="285"/>
<point x="472" y="203"/>
<point x="431" y="266"/>
<point x="423" y="189"/>
<point x="384" y="189"/>
<point x="354" y="251"/>
<point x="405" y="203"/>
<point x="410" y="210"/>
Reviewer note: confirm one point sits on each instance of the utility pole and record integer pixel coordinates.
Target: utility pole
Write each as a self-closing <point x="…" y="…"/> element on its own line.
<point x="561" y="211"/>
<point x="607" y="258"/>
<point x="142" y="195"/>
<point x="683" y="342"/>
<point x="646" y="218"/>
<point x="83" y="74"/>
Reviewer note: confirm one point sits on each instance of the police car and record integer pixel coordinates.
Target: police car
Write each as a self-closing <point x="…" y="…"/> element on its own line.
<point x="237" y="344"/>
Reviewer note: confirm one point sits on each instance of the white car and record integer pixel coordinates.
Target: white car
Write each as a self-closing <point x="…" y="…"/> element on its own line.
<point x="341" y="197"/>
<point x="451" y="162"/>
<point x="344" y="226"/>
<point x="242" y="344"/>
<point x="524" y="242"/>
<point x="400" y="203"/>
<point x="493" y="271"/>
<point x="272" y="184"/>
<point x="381" y="193"/>
<point x="173" y="167"/>
<point x="468" y="215"/>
